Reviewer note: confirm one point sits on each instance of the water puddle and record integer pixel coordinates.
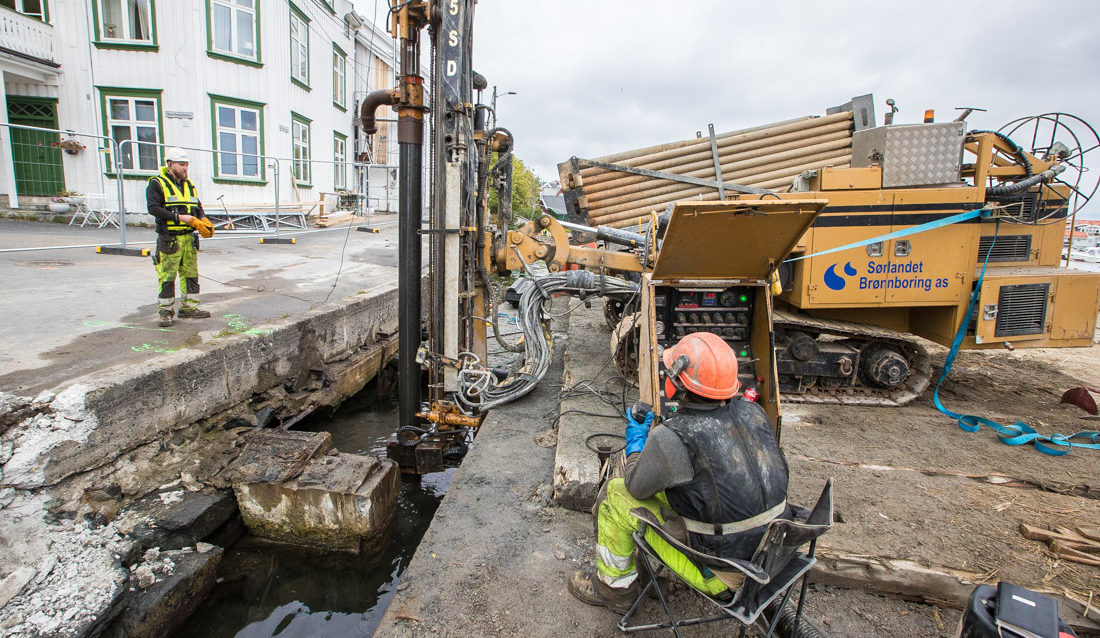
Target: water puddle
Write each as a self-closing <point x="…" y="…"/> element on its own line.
<point x="269" y="590"/>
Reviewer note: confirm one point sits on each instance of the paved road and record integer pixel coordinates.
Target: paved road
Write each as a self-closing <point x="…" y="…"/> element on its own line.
<point x="68" y="312"/>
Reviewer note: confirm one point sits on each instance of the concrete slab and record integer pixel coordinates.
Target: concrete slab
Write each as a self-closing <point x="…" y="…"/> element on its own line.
<point x="155" y="609"/>
<point x="586" y="363"/>
<point x="340" y="502"/>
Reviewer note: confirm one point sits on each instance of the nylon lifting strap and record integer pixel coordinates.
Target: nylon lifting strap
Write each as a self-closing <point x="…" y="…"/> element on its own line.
<point x="1018" y="433"/>
<point x="912" y="230"/>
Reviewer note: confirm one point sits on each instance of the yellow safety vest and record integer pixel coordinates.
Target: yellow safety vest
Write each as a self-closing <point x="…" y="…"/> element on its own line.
<point x="185" y="202"/>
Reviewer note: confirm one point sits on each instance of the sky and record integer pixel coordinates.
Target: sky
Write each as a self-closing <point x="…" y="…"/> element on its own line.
<point x="594" y="77"/>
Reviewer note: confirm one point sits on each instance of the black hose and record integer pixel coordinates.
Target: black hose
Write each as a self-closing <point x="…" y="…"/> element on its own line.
<point x="1024" y="184"/>
<point x="806" y="628"/>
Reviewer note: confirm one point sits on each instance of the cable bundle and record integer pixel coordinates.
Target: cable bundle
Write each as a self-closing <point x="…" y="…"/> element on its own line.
<point x="479" y="388"/>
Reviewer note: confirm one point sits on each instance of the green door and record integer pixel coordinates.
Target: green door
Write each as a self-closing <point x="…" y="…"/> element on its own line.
<point x="38" y="169"/>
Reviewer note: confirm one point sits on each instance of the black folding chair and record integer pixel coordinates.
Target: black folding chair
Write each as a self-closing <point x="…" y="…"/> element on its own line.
<point x="775" y="567"/>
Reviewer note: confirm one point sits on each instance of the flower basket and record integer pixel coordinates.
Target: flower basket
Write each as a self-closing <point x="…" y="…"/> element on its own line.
<point x="70" y="146"/>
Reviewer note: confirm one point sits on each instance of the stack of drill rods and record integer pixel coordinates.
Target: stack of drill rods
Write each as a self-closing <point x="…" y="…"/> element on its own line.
<point x="741" y="172"/>
<point x="627" y="214"/>
<point x="769" y="157"/>
<point x="733" y="160"/>
<point x="701" y="149"/>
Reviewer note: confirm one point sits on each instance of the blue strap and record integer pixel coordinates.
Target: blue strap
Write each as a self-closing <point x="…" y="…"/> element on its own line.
<point x="912" y="230"/>
<point x="1019" y="432"/>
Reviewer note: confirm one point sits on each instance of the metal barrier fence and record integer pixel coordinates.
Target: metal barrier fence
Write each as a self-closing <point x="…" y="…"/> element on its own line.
<point x="239" y="190"/>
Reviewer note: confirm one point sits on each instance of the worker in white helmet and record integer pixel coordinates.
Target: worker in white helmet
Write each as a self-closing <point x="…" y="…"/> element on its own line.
<point x="172" y="199"/>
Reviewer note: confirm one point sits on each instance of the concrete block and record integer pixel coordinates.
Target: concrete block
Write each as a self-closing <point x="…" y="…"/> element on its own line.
<point x="338" y="502"/>
<point x="275" y="456"/>
<point x="160" y="607"/>
<point x="174" y="519"/>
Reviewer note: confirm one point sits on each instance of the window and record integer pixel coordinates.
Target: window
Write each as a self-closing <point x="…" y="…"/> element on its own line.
<point x="339" y="156"/>
<point x="238" y="136"/>
<point x="129" y="23"/>
<point x="339" y="75"/>
<point x="299" y="47"/>
<point x="299" y="143"/>
<point x="30" y="8"/>
<point x="232" y="26"/>
<point x="131" y="117"/>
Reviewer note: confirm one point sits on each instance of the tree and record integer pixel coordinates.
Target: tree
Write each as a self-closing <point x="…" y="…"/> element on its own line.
<point x="525" y="190"/>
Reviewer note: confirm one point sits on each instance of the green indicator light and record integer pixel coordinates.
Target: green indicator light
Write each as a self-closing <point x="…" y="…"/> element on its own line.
<point x="744" y="353"/>
<point x="744" y="297"/>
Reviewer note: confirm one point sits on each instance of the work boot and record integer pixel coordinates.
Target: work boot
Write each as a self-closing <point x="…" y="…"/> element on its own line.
<point x="589" y="589"/>
<point x="193" y="313"/>
<point x="165" y="319"/>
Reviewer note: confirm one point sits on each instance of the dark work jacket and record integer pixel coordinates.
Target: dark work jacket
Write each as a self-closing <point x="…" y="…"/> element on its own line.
<point x="739" y="472"/>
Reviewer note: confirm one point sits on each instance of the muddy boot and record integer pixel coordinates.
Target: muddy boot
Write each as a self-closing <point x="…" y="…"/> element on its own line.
<point x="588" y="588"/>
<point x="193" y="313"/>
<point x="165" y="319"/>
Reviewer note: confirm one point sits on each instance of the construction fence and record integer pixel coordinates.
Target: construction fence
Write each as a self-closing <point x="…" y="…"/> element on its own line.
<point x="240" y="188"/>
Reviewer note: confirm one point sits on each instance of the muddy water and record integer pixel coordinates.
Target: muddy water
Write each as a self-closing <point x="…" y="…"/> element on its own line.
<point x="268" y="590"/>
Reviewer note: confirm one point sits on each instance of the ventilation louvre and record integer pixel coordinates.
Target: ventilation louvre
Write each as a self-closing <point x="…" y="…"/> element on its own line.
<point x="1021" y="309"/>
<point x="1006" y="248"/>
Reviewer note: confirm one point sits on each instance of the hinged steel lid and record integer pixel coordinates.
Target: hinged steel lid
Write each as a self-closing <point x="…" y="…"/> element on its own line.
<point x="744" y="239"/>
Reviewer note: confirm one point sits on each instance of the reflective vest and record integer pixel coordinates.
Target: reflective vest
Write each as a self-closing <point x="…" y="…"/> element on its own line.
<point x="185" y="202"/>
<point x="740" y="477"/>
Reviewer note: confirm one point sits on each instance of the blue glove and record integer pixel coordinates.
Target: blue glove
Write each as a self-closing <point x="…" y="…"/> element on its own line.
<point x="637" y="433"/>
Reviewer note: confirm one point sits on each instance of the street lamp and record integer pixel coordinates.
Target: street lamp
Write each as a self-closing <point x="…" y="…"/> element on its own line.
<point x="493" y="105"/>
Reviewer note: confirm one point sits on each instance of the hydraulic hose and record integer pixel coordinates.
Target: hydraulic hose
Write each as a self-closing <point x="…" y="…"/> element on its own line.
<point x="805" y="629"/>
<point x="1024" y="184"/>
<point x="1021" y="159"/>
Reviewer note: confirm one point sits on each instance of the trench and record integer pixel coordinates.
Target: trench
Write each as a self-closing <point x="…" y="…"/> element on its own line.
<point x="266" y="589"/>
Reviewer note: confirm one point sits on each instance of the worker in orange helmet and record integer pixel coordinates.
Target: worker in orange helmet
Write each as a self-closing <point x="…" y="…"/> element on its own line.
<point x="713" y="471"/>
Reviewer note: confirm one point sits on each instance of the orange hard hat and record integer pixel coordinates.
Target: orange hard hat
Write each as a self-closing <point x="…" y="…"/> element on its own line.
<point x="710" y="370"/>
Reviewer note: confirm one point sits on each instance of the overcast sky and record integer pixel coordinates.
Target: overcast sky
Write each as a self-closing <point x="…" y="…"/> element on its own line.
<point x="595" y="77"/>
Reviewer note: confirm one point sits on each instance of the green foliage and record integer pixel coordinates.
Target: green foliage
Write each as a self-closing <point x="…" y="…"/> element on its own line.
<point x="525" y="191"/>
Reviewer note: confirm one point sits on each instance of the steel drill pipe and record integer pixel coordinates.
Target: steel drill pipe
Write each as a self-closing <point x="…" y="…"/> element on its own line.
<point x="748" y="177"/>
<point x="704" y="145"/>
<point x="769" y="180"/>
<point x="625" y="156"/>
<point x="749" y="150"/>
<point x="604" y="198"/>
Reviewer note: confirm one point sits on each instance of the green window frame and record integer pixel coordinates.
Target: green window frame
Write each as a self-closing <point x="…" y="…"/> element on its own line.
<point x="127" y="108"/>
<point x="121" y="36"/>
<point x="233" y="46"/>
<point x="37" y="9"/>
<point x="301" y="160"/>
<point x="339" y="78"/>
<point x="231" y="128"/>
<point x="299" y="47"/>
<point x="339" y="159"/>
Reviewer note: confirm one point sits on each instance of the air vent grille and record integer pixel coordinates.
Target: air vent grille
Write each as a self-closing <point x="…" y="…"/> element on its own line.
<point x="1021" y="310"/>
<point x="1021" y="207"/>
<point x="1006" y="248"/>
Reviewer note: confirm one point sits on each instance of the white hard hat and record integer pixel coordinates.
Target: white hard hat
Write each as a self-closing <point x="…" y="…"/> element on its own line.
<point x="176" y="154"/>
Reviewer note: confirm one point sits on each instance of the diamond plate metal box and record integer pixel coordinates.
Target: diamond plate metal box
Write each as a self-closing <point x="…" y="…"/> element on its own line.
<point x="912" y="154"/>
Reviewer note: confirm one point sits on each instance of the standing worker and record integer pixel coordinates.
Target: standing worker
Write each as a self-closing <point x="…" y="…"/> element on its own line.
<point x="713" y="471"/>
<point x="171" y="198"/>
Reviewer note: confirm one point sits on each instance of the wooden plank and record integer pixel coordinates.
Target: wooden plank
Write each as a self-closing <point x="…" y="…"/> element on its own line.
<point x="1069" y="552"/>
<point x="1039" y="534"/>
<point x="1092" y="533"/>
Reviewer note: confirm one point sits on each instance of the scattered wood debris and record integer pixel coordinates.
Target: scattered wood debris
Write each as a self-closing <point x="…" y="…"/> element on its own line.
<point x="1079" y="545"/>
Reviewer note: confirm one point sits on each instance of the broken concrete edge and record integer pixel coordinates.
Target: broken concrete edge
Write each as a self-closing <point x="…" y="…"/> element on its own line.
<point x="161" y="595"/>
<point x="341" y="517"/>
<point x="909" y="580"/>
<point x="95" y="420"/>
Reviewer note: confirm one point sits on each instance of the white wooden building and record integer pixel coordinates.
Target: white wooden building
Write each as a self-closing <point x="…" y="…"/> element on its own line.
<point x="264" y="78"/>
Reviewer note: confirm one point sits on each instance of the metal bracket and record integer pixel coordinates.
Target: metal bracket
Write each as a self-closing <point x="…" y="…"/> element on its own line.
<point x="717" y="164"/>
<point x="423" y="355"/>
<point x="446" y="231"/>
<point x="584" y="163"/>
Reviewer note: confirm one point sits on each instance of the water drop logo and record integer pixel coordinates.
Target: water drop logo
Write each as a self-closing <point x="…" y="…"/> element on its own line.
<point x="835" y="281"/>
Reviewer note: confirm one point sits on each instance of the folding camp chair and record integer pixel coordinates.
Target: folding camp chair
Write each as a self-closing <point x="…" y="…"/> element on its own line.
<point x="776" y="566"/>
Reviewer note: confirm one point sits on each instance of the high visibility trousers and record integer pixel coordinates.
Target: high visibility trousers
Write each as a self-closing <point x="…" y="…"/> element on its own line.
<point x="615" y="546"/>
<point x="184" y="263"/>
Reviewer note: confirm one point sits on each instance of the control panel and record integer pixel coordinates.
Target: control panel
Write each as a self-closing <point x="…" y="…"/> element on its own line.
<point x="726" y="312"/>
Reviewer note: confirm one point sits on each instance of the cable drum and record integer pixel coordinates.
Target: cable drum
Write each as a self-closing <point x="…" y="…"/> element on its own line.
<point x="480" y="390"/>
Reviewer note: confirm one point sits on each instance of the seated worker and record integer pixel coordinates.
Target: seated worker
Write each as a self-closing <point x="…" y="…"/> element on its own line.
<point x="715" y="465"/>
